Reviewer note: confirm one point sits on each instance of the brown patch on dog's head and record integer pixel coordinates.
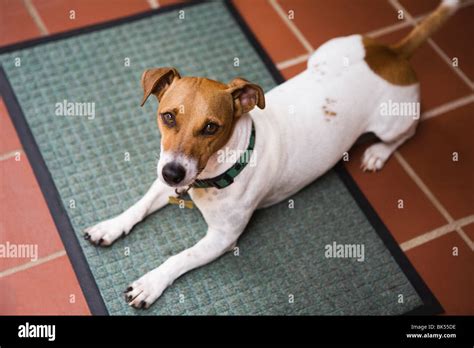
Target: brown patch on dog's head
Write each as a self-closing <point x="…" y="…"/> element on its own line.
<point x="156" y="81"/>
<point x="196" y="116"/>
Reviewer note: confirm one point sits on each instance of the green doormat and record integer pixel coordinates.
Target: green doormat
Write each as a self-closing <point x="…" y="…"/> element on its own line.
<point x="92" y="167"/>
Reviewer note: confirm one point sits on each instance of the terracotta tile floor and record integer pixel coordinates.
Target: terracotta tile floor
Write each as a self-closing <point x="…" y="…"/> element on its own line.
<point x="26" y="219"/>
<point x="436" y="224"/>
<point x="16" y="23"/>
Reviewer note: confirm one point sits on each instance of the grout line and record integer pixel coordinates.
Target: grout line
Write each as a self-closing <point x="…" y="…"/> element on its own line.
<point x="374" y="34"/>
<point x="463" y="4"/>
<point x="444" y="108"/>
<point x="438" y="232"/>
<point x="292" y="26"/>
<point x="154" y="4"/>
<point x="36" y="17"/>
<point x="397" y="6"/>
<point x="8" y="155"/>
<point x="292" y="61"/>
<point x="448" y="60"/>
<point x="465" y="237"/>
<point x="430" y="41"/>
<point x="411" y="173"/>
<point x="387" y="30"/>
<point x="32" y="264"/>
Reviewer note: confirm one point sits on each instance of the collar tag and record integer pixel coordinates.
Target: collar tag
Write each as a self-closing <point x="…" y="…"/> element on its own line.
<point x="182" y="203"/>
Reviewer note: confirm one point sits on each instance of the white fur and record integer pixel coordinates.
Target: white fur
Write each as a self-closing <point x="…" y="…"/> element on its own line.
<point x="296" y="142"/>
<point x="450" y="3"/>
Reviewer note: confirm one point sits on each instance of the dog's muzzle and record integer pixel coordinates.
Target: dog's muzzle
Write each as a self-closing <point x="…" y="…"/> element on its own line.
<point x="173" y="173"/>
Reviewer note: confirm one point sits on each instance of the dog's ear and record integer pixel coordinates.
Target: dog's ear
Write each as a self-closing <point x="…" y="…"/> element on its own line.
<point x="246" y="95"/>
<point x="157" y="81"/>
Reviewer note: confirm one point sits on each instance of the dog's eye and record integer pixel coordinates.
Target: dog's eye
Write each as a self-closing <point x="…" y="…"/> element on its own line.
<point x="168" y="119"/>
<point x="210" y="129"/>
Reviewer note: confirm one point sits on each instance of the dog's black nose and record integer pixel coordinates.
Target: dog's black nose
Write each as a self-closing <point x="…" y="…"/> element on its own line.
<point x="173" y="173"/>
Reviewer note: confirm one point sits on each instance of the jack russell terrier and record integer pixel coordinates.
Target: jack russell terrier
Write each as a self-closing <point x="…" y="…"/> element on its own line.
<point x="309" y="122"/>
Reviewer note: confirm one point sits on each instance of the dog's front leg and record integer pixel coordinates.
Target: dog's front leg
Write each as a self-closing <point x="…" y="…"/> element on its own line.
<point x="143" y="292"/>
<point x="106" y="232"/>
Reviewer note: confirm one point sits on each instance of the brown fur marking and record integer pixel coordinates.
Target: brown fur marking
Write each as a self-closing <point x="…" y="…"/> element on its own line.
<point x="387" y="64"/>
<point x="196" y="101"/>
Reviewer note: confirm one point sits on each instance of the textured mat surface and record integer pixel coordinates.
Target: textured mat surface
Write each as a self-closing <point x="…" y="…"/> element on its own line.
<point x="281" y="254"/>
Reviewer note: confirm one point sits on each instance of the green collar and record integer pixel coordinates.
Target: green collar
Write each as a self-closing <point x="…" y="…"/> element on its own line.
<point x="227" y="178"/>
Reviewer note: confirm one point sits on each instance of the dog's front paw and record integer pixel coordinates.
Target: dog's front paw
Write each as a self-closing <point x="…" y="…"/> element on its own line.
<point x="146" y="290"/>
<point x="106" y="232"/>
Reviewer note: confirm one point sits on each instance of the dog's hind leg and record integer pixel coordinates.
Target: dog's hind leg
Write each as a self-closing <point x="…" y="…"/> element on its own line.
<point x="377" y="154"/>
<point x="393" y="121"/>
<point x="106" y="232"/>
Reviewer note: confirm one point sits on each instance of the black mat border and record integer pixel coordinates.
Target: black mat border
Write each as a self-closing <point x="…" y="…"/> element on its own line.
<point x="89" y="287"/>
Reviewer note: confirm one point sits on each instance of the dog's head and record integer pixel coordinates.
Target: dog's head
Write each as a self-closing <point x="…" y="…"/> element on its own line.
<point x="196" y="117"/>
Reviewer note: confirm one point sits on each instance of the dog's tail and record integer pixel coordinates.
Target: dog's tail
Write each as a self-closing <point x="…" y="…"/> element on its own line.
<point x="428" y="26"/>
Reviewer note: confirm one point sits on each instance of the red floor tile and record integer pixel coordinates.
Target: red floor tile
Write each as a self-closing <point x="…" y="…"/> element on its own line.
<point x="419" y="7"/>
<point x="450" y="278"/>
<point x="383" y="189"/>
<point x="16" y="23"/>
<point x="469" y="230"/>
<point x="270" y="30"/>
<point x="430" y="154"/>
<point x="291" y="71"/>
<point x="56" y="13"/>
<point x="454" y="38"/>
<point x="170" y="2"/>
<point x="25" y="218"/>
<point x="321" y="20"/>
<point x="439" y="84"/>
<point x="8" y="138"/>
<point x="45" y="289"/>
